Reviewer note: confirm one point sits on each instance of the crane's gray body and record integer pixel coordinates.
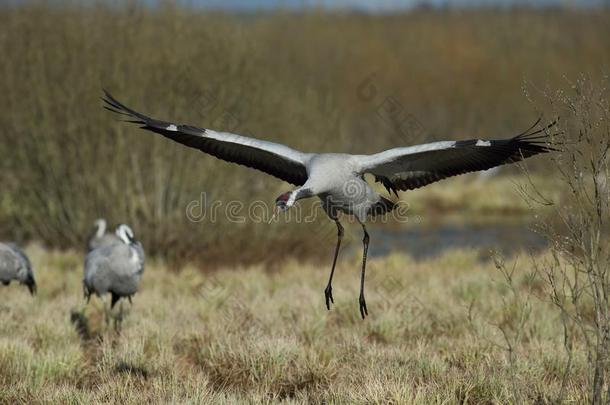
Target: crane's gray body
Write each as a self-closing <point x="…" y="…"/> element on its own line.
<point x="336" y="179"/>
<point x="104" y="240"/>
<point x="15" y="266"/>
<point x="116" y="269"/>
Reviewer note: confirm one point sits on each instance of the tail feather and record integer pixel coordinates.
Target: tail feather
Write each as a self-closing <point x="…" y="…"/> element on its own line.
<point x="382" y="206"/>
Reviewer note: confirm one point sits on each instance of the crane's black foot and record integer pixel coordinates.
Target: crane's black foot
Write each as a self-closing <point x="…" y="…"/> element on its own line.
<point x="328" y="295"/>
<point x="363" y="311"/>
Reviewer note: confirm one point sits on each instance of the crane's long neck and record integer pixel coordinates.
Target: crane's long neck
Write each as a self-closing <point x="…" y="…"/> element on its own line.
<point x="101" y="228"/>
<point x="299" y="193"/>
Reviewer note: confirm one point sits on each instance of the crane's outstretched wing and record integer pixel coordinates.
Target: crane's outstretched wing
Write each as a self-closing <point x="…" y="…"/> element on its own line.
<point x="275" y="159"/>
<point x="413" y="167"/>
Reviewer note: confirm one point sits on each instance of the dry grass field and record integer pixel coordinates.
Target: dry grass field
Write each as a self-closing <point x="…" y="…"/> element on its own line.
<point x="233" y="311"/>
<point x="262" y="335"/>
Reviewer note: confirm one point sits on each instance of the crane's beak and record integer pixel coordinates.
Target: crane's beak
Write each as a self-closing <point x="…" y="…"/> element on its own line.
<point x="276" y="211"/>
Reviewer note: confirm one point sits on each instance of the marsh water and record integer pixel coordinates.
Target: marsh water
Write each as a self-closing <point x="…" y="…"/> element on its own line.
<point x="425" y="241"/>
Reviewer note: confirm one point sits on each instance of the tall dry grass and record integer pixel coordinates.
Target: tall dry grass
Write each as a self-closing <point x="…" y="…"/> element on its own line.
<point x="314" y="81"/>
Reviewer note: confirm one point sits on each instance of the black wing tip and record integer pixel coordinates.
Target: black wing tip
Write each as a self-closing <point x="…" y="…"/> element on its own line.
<point x="110" y="99"/>
<point x="526" y="149"/>
<point x="107" y="97"/>
<point x="112" y="104"/>
<point x="115" y="106"/>
<point x="533" y="142"/>
<point x="541" y="133"/>
<point x="118" y="107"/>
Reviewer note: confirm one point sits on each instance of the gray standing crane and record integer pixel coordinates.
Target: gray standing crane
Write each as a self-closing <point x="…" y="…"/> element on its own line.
<point x="100" y="237"/>
<point x="115" y="268"/>
<point x="338" y="178"/>
<point x="15" y="266"/>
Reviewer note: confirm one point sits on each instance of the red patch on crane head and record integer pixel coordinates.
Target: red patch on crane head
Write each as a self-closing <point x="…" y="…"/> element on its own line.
<point x="284" y="197"/>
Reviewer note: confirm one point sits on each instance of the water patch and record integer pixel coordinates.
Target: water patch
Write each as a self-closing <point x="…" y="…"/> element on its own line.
<point x="426" y="241"/>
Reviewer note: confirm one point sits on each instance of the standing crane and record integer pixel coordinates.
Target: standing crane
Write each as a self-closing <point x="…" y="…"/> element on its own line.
<point x="15" y="266"/>
<point x="114" y="268"/>
<point x="338" y="178"/>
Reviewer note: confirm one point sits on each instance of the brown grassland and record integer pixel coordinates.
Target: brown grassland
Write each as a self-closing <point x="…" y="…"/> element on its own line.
<point x="234" y="312"/>
<point x="250" y="334"/>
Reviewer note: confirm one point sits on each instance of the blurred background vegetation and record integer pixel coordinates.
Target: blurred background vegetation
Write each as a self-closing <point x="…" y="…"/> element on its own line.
<point x="316" y="81"/>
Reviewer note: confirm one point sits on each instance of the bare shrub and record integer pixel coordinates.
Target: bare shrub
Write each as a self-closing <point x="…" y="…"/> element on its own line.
<point x="577" y="271"/>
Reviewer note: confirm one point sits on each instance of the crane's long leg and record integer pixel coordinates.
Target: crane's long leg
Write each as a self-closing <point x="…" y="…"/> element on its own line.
<point x="118" y="319"/>
<point x="328" y="291"/>
<point x="107" y="310"/>
<point x="365" y="241"/>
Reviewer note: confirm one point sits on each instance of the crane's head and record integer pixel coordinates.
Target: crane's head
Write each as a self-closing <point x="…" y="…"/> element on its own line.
<point x="25" y="273"/>
<point x="281" y="203"/>
<point x="287" y="200"/>
<point x="125" y="233"/>
<point x="30" y="283"/>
